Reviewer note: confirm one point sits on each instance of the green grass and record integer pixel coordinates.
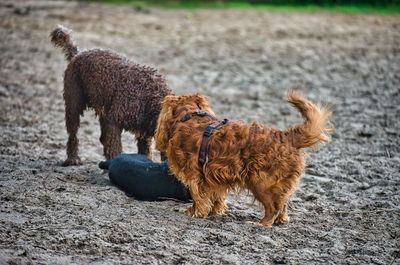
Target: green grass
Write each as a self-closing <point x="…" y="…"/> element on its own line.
<point x="243" y="5"/>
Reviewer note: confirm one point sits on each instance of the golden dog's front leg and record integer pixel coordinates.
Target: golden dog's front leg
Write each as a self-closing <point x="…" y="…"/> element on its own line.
<point x="283" y="217"/>
<point x="201" y="202"/>
<point x="219" y="205"/>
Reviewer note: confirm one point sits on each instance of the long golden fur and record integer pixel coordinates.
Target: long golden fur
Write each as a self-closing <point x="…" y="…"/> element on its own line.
<point x="264" y="160"/>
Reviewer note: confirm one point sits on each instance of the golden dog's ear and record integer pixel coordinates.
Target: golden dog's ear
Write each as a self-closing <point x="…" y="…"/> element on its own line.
<point x="170" y="100"/>
<point x="201" y="100"/>
<point x="165" y="120"/>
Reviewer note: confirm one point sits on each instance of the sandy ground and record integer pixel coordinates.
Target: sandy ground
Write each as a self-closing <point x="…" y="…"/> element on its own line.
<point x="347" y="208"/>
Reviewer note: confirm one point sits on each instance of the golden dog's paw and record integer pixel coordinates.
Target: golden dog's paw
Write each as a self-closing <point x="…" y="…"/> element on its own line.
<point x="283" y="219"/>
<point x="258" y="224"/>
<point x="73" y="161"/>
<point x="218" y="211"/>
<point x="189" y="211"/>
<point x="194" y="213"/>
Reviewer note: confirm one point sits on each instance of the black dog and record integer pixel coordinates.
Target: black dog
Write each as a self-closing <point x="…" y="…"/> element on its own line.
<point x="144" y="179"/>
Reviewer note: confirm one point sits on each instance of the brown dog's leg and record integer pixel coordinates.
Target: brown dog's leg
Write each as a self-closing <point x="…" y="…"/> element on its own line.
<point x="103" y="129"/>
<point x="201" y="202"/>
<point x="72" y="148"/>
<point x="74" y="107"/>
<point x="144" y="146"/>
<point x="111" y="139"/>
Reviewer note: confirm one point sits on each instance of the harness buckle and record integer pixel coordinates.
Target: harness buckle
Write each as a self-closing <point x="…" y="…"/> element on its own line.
<point x="208" y="131"/>
<point x="186" y="117"/>
<point x="201" y="113"/>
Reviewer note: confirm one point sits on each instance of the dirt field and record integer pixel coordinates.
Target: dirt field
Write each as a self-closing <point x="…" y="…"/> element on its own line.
<point x="347" y="208"/>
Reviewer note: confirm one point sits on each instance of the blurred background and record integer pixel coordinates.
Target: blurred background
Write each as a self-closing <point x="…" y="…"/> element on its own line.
<point x="352" y="6"/>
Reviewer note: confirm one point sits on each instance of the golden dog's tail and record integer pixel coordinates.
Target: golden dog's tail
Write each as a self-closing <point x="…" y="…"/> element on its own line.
<point x="316" y="127"/>
<point x="60" y="37"/>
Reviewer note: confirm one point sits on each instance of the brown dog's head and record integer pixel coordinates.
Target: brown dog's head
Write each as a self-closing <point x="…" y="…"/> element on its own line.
<point x="173" y="109"/>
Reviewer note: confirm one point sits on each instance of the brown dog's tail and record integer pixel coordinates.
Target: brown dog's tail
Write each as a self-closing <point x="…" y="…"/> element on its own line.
<point x="60" y="37"/>
<point x="316" y="127"/>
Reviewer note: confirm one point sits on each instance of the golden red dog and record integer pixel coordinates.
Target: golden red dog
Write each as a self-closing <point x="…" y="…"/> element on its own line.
<point x="264" y="160"/>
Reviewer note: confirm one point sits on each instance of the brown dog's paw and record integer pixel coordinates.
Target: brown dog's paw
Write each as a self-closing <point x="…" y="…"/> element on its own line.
<point x="76" y="161"/>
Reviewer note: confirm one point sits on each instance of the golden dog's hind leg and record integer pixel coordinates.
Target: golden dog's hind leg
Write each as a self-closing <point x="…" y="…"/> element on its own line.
<point x="272" y="202"/>
<point x="272" y="210"/>
<point x="201" y="202"/>
<point x="287" y="186"/>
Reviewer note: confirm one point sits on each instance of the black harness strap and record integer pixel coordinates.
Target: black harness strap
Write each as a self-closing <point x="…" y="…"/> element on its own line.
<point x="204" y="146"/>
<point x="199" y="114"/>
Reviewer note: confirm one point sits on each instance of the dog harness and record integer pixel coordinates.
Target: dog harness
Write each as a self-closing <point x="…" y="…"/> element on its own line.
<point x="204" y="146"/>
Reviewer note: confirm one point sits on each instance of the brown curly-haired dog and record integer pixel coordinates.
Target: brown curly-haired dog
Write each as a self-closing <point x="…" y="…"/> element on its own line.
<point x="264" y="160"/>
<point x="125" y="96"/>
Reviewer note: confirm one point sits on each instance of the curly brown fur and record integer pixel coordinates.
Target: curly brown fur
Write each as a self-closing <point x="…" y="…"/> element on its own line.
<point x="124" y="95"/>
<point x="264" y="160"/>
